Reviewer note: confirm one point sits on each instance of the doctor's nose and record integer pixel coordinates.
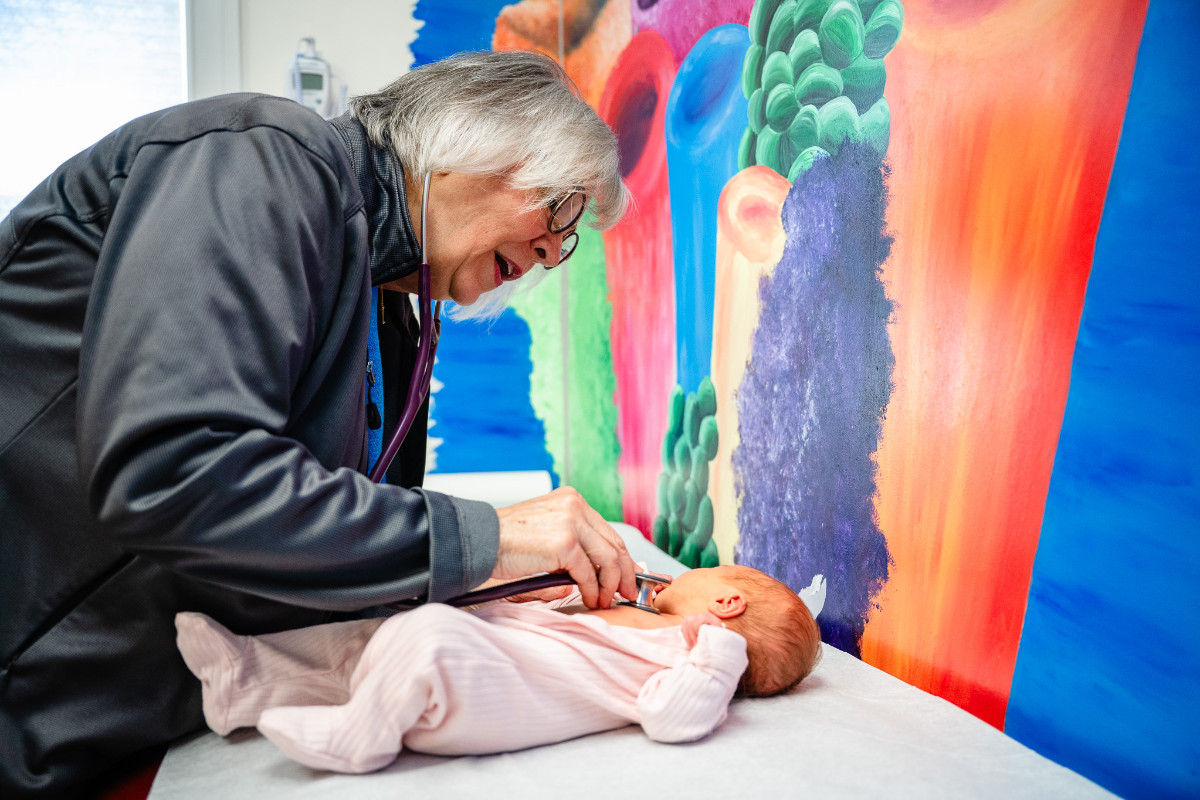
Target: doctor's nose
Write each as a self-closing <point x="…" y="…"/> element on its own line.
<point x="552" y="249"/>
<point x="548" y="250"/>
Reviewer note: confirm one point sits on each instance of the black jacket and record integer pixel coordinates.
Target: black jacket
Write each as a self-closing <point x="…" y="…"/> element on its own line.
<point x="184" y="311"/>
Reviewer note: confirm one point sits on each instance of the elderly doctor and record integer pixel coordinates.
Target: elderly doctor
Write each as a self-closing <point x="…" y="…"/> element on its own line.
<point x="184" y="320"/>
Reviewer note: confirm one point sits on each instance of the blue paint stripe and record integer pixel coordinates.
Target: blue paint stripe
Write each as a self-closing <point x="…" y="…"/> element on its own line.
<point x="705" y="119"/>
<point x="452" y="26"/>
<point x="1105" y="680"/>
<point x="483" y="411"/>
<point x="375" y="392"/>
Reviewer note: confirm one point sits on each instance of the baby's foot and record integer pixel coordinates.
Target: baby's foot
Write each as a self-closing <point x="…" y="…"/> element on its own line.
<point x="321" y="737"/>
<point x="212" y="653"/>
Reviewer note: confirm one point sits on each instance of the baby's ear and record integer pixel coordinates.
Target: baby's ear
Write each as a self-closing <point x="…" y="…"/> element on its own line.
<point x="728" y="605"/>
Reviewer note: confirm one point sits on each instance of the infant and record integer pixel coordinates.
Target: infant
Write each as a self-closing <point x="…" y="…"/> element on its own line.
<point x="350" y="696"/>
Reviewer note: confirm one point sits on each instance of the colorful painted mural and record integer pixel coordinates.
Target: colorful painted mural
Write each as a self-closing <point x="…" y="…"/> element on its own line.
<point x="841" y="330"/>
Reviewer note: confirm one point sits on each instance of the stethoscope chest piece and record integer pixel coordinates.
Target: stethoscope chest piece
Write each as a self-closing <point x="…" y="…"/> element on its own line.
<point x="646" y="583"/>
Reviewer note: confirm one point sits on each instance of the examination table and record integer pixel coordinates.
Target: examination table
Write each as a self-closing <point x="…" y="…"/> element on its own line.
<point x="849" y="730"/>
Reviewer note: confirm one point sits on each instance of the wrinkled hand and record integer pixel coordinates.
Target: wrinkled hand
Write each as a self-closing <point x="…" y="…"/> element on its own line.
<point x="692" y="623"/>
<point x="561" y="532"/>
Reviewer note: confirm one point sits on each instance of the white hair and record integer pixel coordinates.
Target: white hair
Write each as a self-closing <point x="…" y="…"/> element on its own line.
<point x="512" y="114"/>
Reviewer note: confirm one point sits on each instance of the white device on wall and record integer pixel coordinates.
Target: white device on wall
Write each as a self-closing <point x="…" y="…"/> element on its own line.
<point x="311" y="82"/>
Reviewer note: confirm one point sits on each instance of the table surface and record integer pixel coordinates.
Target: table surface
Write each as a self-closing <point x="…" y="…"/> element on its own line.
<point x="848" y="730"/>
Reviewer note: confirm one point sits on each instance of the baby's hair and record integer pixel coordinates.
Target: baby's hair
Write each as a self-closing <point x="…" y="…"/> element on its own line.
<point x="783" y="641"/>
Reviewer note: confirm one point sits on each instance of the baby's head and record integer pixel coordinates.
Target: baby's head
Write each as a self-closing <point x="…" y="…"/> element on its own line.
<point x="783" y="642"/>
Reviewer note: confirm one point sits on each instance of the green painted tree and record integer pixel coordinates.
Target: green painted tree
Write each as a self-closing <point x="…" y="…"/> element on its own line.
<point x="593" y="446"/>
<point x="684" y="525"/>
<point x="814" y="77"/>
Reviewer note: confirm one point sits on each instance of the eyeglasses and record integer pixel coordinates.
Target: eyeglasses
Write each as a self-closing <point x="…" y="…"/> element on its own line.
<point x="564" y="214"/>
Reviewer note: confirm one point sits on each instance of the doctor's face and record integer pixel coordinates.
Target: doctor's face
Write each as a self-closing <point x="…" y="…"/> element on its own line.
<point x="482" y="233"/>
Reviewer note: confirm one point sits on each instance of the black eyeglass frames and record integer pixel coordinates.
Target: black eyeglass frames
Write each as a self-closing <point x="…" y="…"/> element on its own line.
<point x="564" y="215"/>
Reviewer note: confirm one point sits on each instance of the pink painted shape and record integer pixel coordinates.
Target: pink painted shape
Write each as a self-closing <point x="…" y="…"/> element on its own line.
<point x="640" y="268"/>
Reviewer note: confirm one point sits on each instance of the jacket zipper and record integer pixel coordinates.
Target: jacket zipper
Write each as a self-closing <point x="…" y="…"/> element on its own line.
<point x="374" y="421"/>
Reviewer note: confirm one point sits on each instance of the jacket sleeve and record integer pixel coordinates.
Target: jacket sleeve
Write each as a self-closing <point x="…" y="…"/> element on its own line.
<point x="689" y="700"/>
<point x="219" y="283"/>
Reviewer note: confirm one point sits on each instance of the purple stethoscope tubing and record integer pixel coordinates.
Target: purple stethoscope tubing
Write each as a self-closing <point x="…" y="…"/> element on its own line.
<point x="645" y="580"/>
<point x="431" y="327"/>
<point x="530" y="584"/>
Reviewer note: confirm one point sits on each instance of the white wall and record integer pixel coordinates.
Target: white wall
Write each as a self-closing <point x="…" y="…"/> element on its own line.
<point x="249" y="45"/>
<point x="214" y="47"/>
<point x="365" y="42"/>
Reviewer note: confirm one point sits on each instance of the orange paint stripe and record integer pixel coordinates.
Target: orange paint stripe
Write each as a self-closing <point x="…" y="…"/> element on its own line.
<point x="1004" y="132"/>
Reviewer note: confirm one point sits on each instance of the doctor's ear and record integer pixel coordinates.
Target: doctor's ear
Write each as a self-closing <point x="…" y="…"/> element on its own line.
<point x="728" y="605"/>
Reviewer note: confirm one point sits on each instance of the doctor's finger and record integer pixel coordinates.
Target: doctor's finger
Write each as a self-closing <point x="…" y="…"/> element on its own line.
<point x="624" y="581"/>
<point x="617" y="576"/>
<point x="583" y="571"/>
<point x="612" y="561"/>
<point x="609" y="577"/>
<point x="610" y="565"/>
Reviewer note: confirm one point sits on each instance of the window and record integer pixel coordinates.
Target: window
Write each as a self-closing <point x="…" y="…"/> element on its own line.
<point x="73" y="70"/>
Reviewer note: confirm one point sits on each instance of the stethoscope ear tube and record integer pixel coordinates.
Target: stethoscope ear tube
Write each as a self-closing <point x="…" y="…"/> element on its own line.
<point x="418" y="386"/>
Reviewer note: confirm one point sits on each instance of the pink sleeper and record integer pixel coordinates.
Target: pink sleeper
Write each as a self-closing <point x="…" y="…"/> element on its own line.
<point x="350" y="696"/>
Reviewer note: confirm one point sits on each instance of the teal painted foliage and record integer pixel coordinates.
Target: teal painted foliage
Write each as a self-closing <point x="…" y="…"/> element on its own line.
<point x="684" y="525"/>
<point x="814" y="77"/>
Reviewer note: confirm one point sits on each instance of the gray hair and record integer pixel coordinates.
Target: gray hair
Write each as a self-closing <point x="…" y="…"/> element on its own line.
<point x="514" y="114"/>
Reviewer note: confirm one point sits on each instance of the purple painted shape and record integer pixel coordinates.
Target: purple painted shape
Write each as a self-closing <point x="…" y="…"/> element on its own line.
<point x="811" y="406"/>
<point x="683" y="22"/>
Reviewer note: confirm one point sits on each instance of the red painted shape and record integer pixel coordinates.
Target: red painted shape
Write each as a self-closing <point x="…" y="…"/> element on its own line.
<point x="639" y="263"/>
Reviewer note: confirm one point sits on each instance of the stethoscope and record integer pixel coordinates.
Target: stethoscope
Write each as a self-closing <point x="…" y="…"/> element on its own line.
<point x="647" y="584"/>
<point x="431" y="331"/>
<point x="418" y="390"/>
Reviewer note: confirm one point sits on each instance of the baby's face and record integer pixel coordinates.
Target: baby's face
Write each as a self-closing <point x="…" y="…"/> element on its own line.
<point x="692" y="591"/>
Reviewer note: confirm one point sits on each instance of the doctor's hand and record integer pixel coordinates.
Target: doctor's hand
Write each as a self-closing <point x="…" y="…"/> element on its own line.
<point x="560" y="532"/>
